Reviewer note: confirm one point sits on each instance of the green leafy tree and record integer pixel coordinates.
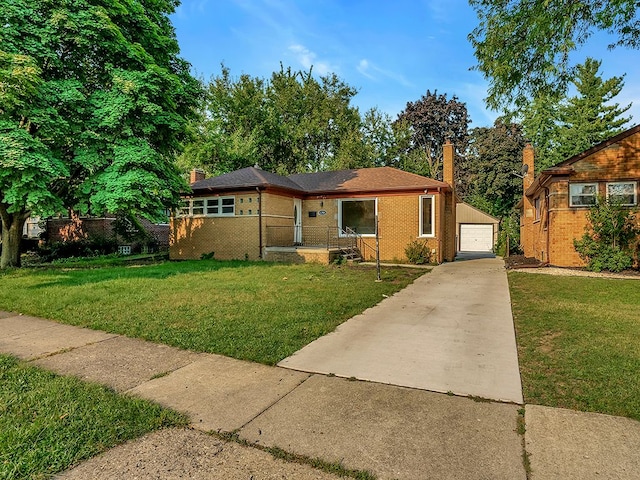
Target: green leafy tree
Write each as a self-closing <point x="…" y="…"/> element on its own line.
<point x="495" y="153"/>
<point x="523" y="47"/>
<point x="291" y="123"/>
<point x="562" y="128"/>
<point x="434" y="119"/>
<point x="93" y="104"/>
<point x="609" y="237"/>
<point x="540" y="126"/>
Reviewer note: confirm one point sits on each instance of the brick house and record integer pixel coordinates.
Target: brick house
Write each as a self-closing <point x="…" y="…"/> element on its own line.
<point x="251" y="213"/>
<point x="66" y="229"/>
<point x="555" y="204"/>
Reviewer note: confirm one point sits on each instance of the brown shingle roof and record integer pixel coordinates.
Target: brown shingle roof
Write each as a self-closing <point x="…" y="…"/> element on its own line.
<point x="357" y="180"/>
<point x="249" y="177"/>
<point x="363" y="180"/>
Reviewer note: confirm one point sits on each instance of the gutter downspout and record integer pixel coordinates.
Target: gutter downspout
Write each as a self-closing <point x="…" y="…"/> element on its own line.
<point x="259" y="221"/>
<point x="546" y="207"/>
<point x="442" y="207"/>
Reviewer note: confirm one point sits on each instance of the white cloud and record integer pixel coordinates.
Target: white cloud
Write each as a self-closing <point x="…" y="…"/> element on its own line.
<point x="373" y="72"/>
<point x="308" y="59"/>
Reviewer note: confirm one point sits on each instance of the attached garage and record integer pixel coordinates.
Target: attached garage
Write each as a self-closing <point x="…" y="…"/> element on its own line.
<point x="477" y="231"/>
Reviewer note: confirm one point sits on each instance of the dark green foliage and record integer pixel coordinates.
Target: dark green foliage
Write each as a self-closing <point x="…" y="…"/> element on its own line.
<point x="495" y="154"/>
<point x="94" y="109"/>
<point x="523" y="47"/>
<point x="607" y="243"/>
<point x="92" y="247"/>
<point x="418" y="253"/>
<point x="434" y="119"/>
<point x="290" y="123"/>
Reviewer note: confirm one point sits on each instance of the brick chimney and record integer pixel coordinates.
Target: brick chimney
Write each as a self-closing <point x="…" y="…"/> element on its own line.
<point x="196" y="175"/>
<point x="447" y="163"/>
<point x="528" y="160"/>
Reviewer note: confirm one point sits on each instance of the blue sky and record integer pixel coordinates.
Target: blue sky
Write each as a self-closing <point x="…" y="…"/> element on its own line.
<point x="392" y="51"/>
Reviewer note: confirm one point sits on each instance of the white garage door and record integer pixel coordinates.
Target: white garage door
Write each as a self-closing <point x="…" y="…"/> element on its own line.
<point x="476" y="238"/>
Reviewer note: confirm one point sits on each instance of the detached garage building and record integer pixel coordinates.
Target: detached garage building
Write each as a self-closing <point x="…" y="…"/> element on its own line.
<point x="476" y="230"/>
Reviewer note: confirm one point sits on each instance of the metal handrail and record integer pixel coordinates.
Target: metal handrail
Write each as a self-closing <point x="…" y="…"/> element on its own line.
<point x="319" y="237"/>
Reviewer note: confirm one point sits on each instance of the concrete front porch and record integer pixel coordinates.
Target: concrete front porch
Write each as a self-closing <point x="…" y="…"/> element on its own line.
<point x="301" y="254"/>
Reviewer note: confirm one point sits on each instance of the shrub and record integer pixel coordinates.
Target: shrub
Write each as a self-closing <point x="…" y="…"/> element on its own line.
<point x="418" y="252"/>
<point x="91" y="247"/>
<point x="509" y="230"/>
<point x="609" y="234"/>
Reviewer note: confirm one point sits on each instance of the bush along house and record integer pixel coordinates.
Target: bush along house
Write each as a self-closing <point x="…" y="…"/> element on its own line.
<point x="316" y="217"/>
<point x="555" y="204"/>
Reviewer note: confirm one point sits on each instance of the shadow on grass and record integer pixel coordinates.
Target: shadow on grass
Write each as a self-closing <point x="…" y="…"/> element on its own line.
<point x="78" y="275"/>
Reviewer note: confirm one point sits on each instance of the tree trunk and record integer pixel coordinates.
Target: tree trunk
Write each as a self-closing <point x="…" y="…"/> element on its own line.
<point x="11" y="237"/>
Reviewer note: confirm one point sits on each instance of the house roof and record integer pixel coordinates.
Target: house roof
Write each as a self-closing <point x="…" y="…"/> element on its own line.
<point x="250" y="177"/>
<point x="356" y="180"/>
<point x="566" y="167"/>
<point x="364" y="180"/>
<point x="602" y="145"/>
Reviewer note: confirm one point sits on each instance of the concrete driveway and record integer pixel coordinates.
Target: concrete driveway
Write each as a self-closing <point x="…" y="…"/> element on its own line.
<point x="450" y="331"/>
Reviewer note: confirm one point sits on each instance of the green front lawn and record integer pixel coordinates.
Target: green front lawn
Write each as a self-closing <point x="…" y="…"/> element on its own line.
<point x="578" y="342"/>
<point x="49" y="423"/>
<point x="255" y="311"/>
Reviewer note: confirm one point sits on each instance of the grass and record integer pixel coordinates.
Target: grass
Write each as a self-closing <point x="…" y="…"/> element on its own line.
<point x="578" y="342"/>
<point x="254" y="311"/>
<point x="49" y="423"/>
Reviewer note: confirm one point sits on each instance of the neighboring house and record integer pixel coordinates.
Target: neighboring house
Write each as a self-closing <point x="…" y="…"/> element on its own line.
<point x="251" y="213"/>
<point x="555" y="205"/>
<point x="64" y="229"/>
<point x="477" y="231"/>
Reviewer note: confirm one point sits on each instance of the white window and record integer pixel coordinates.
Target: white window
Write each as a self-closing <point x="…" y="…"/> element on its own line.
<point x="582" y="194"/>
<point x="212" y="207"/>
<point x="427" y="216"/>
<point x="623" y="192"/>
<point x="358" y="215"/>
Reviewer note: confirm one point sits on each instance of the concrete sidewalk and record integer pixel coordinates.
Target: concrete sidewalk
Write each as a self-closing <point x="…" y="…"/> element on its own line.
<point x="391" y="431"/>
<point x="450" y="331"/>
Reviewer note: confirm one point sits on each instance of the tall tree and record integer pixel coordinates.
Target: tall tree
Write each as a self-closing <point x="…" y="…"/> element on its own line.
<point x="495" y="153"/>
<point x="561" y="129"/>
<point x="523" y="47"/>
<point x="434" y="119"/>
<point x="541" y="127"/>
<point x="290" y="123"/>
<point x="93" y="106"/>
<point x="589" y="117"/>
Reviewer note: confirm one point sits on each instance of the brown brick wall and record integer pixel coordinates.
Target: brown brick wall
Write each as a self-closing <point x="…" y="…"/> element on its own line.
<point x="66" y="229"/>
<point x="551" y="239"/>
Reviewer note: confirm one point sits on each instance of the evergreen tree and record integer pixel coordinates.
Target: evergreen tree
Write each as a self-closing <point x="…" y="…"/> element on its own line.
<point x="589" y="118"/>
<point x="561" y="128"/>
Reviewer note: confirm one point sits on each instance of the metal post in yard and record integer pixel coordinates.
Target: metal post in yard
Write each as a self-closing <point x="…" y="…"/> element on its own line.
<point x="378" y="279"/>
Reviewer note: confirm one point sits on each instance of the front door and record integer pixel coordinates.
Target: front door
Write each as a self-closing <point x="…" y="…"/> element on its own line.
<point x="297" y="221"/>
